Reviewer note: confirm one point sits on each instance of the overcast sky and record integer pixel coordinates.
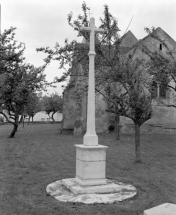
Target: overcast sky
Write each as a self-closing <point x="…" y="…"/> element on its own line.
<point x="42" y="23"/>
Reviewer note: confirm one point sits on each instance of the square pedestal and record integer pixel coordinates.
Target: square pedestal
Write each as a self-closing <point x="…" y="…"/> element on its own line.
<point x="90" y="165"/>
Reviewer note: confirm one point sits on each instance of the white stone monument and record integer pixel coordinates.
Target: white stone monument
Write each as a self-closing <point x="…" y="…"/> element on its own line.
<point x="91" y="157"/>
<point x="90" y="184"/>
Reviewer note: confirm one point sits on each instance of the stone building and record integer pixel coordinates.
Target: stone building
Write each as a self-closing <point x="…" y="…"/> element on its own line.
<point x="163" y="119"/>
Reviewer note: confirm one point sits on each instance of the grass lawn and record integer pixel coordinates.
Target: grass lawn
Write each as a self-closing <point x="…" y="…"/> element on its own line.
<point x="39" y="155"/>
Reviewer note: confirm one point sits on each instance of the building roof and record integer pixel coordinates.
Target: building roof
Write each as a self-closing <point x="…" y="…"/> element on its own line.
<point x="128" y="39"/>
<point x="158" y="32"/>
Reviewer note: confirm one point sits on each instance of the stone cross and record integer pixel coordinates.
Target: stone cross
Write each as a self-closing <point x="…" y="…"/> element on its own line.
<point x="89" y="13"/>
<point x="90" y="138"/>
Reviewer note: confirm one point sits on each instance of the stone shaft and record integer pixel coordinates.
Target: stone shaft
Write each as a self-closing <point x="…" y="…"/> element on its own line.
<point x="90" y="138"/>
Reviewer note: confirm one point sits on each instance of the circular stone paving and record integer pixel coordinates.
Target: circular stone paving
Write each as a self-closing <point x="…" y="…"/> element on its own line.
<point x="62" y="193"/>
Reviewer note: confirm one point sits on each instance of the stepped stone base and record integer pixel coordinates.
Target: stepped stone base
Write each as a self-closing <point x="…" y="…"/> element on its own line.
<point x="68" y="190"/>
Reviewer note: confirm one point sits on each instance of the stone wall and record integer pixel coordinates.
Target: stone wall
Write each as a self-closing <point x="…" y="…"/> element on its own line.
<point x="69" y="110"/>
<point x="163" y="119"/>
<point x="102" y="117"/>
<point x="75" y="113"/>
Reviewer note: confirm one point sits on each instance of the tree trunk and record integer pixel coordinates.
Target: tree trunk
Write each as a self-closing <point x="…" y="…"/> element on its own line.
<point x="23" y="120"/>
<point x="29" y="120"/>
<point x="15" y="127"/>
<point x="117" y="127"/>
<point x="137" y="143"/>
<point x="62" y="122"/>
<point x="32" y="119"/>
<point x="52" y="116"/>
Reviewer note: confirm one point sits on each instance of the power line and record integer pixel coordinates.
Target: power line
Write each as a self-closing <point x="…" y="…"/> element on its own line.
<point x="129" y="24"/>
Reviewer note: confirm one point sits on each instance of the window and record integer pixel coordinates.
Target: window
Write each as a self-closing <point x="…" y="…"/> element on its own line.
<point x="160" y="46"/>
<point x="158" y="90"/>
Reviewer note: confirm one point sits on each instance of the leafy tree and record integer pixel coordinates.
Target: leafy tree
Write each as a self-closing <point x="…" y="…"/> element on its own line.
<point x="114" y="95"/>
<point x="52" y="104"/>
<point x="127" y="90"/>
<point x="112" y="69"/>
<point x="18" y="80"/>
<point x="137" y="85"/>
<point x="33" y="105"/>
<point x="72" y="53"/>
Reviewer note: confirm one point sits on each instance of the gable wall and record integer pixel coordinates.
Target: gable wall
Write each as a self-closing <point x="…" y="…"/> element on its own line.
<point x="161" y="114"/>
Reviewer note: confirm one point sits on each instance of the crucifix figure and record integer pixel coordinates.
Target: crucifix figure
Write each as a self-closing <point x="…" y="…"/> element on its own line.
<point x="90" y="138"/>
